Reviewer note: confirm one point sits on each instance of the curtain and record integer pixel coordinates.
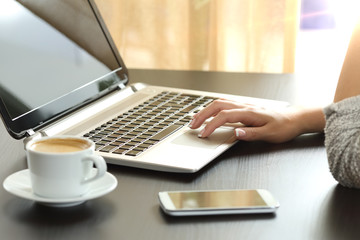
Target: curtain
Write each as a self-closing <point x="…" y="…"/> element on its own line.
<point x="206" y="35"/>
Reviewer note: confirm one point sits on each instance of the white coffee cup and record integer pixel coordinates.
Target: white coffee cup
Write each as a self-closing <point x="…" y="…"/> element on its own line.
<point x="61" y="166"/>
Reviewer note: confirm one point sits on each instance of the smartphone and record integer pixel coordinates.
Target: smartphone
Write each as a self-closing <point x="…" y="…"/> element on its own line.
<point x="190" y="203"/>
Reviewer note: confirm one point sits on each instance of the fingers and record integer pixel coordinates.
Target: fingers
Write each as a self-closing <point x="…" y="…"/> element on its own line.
<point x="263" y="133"/>
<point x="212" y="110"/>
<point x="220" y="119"/>
<point x="244" y="116"/>
<point x="250" y="134"/>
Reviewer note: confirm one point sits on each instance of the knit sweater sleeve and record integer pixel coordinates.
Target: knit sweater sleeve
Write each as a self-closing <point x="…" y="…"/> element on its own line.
<point x="342" y="140"/>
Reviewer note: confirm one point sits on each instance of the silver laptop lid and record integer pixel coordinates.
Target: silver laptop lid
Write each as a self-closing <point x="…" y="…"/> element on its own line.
<point x="56" y="56"/>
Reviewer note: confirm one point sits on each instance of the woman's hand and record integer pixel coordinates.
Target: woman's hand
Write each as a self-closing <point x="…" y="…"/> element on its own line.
<point x="258" y="123"/>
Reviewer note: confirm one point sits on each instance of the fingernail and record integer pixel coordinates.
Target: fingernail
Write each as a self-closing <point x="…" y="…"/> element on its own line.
<point x="201" y="132"/>
<point x="191" y="123"/>
<point x="239" y="132"/>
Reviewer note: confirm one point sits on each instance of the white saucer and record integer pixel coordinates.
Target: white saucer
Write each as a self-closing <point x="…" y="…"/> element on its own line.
<point x="19" y="184"/>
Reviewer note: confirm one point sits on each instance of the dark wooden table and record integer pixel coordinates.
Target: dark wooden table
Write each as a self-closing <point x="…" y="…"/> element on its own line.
<point x="313" y="205"/>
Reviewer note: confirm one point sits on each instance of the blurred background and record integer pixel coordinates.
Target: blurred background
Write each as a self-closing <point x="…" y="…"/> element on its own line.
<point x="278" y="36"/>
<point x="307" y="38"/>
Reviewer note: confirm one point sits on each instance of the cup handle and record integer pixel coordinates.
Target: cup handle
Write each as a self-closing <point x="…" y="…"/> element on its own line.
<point x="100" y="165"/>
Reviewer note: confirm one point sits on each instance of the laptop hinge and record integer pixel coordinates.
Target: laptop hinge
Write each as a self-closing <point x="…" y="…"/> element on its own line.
<point x="121" y="85"/>
<point x="29" y="133"/>
<point x="124" y="79"/>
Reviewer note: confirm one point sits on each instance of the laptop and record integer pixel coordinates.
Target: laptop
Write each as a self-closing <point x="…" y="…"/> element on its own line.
<point x="61" y="74"/>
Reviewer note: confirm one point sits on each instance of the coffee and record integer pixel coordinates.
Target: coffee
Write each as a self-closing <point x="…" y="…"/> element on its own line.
<point x="60" y="145"/>
<point x="62" y="166"/>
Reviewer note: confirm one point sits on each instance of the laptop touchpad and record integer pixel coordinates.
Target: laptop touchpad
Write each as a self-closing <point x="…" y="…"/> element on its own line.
<point x="218" y="137"/>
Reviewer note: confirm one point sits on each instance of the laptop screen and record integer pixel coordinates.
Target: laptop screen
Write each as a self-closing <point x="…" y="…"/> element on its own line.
<point x="55" y="56"/>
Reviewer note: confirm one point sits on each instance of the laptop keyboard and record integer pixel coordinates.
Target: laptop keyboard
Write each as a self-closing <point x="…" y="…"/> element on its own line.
<point x="142" y="127"/>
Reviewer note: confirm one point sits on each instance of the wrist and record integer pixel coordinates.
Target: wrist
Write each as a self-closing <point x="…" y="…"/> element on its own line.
<point x="309" y="120"/>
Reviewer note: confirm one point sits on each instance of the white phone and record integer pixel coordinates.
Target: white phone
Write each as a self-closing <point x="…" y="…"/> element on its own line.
<point x="190" y="203"/>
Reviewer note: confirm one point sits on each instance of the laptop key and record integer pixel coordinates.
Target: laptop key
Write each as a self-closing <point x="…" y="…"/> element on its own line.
<point x="133" y="153"/>
<point x="98" y="146"/>
<point x="107" y="148"/>
<point x="119" y="151"/>
<point x="144" y="146"/>
<point x="166" y="132"/>
<point x="189" y="108"/>
<point x="127" y="147"/>
<point x="151" y="142"/>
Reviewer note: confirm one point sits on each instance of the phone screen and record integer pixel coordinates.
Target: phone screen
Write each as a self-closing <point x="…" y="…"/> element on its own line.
<point x="186" y="203"/>
<point x="217" y="199"/>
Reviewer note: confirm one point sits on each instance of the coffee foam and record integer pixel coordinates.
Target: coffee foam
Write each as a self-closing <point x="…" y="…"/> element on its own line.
<point x="60" y="145"/>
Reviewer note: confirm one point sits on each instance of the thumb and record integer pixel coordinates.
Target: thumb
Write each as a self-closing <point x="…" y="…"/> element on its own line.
<point x="247" y="134"/>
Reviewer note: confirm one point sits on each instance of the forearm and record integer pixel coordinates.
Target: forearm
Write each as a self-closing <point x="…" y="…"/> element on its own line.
<point x="342" y="141"/>
<point x="349" y="84"/>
